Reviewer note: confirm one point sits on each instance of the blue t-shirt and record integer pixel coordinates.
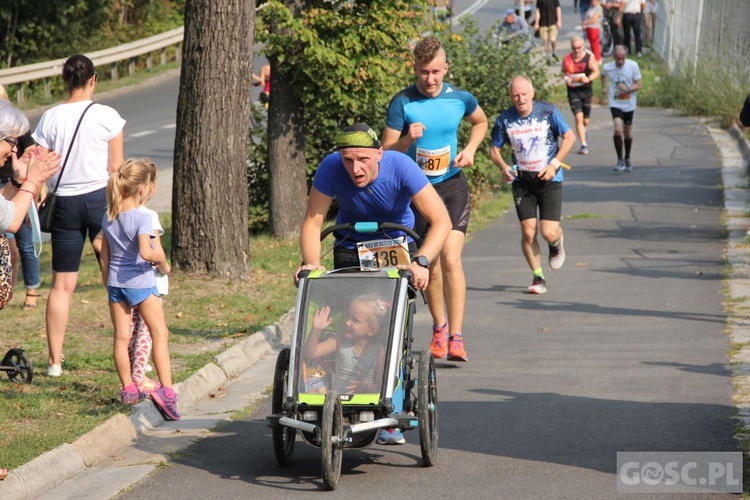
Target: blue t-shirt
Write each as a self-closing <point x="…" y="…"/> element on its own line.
<point x="441" y="115"/>
<point x="127" y="269"/>
<point x="386" y="199"/>
<point x="533" y="138"/>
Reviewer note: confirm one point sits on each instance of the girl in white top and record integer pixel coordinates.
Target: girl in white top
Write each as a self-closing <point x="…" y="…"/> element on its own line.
<point x="96" y="152"/>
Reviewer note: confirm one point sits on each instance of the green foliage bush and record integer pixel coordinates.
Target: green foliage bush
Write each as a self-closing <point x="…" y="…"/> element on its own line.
<point x="348" y="61"/>
<point x="712" y="88"/>
<point x="42" y="30"/>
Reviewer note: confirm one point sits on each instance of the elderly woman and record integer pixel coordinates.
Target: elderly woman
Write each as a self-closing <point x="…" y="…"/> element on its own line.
<point x="34" y="168"/>
<point x="94" y="153"/>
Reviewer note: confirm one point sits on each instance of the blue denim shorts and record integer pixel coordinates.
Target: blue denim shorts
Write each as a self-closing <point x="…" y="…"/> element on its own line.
<point x="75" y="218"/>
<point x="132" y="296"/>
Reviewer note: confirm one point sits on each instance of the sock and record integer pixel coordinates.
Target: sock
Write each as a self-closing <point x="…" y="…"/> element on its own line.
<point x="438" y="327"/>
<point x="459" y="336"/>
<point x="131" y="389"/>
<point x="538" y="273"/>
<point x="554" y="243"/>
<point x="628" y="145"/>
<point x="618" y="146"/>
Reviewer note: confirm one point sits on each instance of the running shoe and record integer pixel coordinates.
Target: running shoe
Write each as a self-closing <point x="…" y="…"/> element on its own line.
<point x="538" y="286"/>
<point x="147" y="386"/>
<point x="456" y="351"/>
<point x="557" y="255"/>
<point x="167" y="405"/>
<point x="391" y="436"/>
<point x="620" y="167"/>
<point x="131" y="398"/>
<point x="628" y="166"/>
<point x="439" y="346"/>
<point x="54" y="371"/>
<point x="584" y="150"/>
<point x="555" y="58"/>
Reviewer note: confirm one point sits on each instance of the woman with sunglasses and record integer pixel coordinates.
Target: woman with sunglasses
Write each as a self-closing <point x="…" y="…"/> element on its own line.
<point x="29" y="173"/>
<point x="93" y="153"/>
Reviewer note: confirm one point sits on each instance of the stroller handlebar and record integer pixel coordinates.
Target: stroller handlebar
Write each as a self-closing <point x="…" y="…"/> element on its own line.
<point x="370" y="228"/>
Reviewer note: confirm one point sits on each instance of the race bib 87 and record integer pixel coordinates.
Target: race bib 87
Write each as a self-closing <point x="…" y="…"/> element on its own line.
<point x="434" y="162"/>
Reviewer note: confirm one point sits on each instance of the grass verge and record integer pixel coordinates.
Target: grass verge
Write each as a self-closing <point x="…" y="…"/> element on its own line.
<point x="205" y="316"/>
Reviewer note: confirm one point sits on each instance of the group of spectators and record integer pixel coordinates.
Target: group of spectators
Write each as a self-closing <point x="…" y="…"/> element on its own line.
<point x="77" y="147"/>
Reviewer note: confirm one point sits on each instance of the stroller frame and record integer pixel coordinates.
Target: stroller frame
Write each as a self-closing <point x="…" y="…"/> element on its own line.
<point x="407" y="398"/>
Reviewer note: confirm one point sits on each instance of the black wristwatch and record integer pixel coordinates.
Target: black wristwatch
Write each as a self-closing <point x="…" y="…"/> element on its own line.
<point x="16" y="183"/>
<point x="421" y="260"/>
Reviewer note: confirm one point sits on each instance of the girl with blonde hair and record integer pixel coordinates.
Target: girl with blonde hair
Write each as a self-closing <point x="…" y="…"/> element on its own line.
<point x="127" y="255"/>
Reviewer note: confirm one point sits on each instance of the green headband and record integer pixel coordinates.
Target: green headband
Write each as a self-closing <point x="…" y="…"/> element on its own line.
<point x="357" y="139"/>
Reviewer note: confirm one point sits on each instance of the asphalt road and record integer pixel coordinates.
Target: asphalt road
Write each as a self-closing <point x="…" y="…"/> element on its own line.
<point x="627" y="352"/>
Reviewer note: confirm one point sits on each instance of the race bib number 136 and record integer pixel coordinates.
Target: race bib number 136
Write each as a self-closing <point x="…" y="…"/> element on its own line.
<point x="380" y="254"/>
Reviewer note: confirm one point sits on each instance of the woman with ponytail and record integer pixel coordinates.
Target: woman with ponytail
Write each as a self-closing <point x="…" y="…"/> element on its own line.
<point x="89" y="137"/>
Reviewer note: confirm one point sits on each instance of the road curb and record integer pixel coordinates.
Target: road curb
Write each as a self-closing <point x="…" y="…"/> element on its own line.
<point x="735" y="169"/>
<point x="68" y="460"/>
<point x="742" y="143"/>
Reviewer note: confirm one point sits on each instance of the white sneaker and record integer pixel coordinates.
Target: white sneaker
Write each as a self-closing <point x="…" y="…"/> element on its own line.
<point x="628" y="166"/>
<point x="620" y="167"/>
<point x="557" y="255"/>
<point x="54" y="371"/>
<point x="538" y="286"/>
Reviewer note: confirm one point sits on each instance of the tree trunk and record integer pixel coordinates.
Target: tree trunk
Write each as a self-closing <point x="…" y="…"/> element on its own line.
<point x="209" y="196"/>
<point x="286" y="150"/>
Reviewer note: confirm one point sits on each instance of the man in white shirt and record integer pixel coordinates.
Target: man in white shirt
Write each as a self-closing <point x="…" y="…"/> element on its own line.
<point x="632" y="19"/>
<point x="624" y="77"/>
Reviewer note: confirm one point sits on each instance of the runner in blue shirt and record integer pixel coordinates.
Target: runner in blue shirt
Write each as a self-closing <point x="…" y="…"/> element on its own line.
<point x="532" y="129"/>
<point x="423" y="122"/>
<point x="370" y="185"/>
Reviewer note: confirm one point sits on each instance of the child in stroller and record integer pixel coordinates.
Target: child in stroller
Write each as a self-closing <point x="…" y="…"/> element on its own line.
<point x="359" y="353"/>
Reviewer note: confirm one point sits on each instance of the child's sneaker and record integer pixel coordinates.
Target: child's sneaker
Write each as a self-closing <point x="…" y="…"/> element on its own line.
<point x="456" y="351"/>
<point x="131" y="395"/>
<point x="391" y="436"/>
<point x="439" y="346"/>
<point x="165" y="403"/>
<point x="147" y="386"/>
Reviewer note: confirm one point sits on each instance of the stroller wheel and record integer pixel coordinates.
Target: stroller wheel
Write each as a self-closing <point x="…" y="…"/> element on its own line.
<point x="427" y="409"/>
<point x="283" y="437"/>
<point x="20" y="367"/>
<point x="331" y="442"/>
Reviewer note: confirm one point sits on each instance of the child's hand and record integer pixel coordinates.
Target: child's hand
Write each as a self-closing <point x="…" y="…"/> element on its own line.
<point x="321" y="319"/>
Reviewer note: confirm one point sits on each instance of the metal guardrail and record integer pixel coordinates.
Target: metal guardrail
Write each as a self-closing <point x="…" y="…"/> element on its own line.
<point x="126" y="52"/>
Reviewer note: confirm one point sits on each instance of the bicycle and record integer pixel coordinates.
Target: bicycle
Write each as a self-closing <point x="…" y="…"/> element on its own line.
<point x="606" y="34"/>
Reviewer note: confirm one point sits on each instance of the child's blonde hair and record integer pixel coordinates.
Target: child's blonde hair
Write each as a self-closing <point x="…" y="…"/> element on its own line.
<point x="126" y="182"/>
<point x="378" y="309"/>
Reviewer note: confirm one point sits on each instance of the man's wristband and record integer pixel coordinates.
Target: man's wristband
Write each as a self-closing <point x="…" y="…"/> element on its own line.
<point x="555" y="163"/>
